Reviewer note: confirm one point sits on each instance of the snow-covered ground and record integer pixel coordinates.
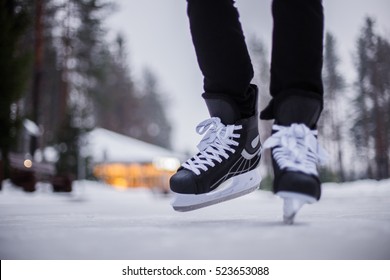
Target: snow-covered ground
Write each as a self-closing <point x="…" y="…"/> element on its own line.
<point x="352" y="221"/>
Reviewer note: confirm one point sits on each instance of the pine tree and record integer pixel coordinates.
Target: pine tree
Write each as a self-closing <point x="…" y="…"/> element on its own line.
<point x="331" y="121"/>
<point x="79" y="51"/>
<point x="15" y="18"/>
<point x="361" y="129"/>
<point x="381" y="107"/>
<point x="114" y="95"/>
<point x="86" y="45"/>
<point x="383" y="65"/>
<point x="50" y="98"/>
<point x="371" y="130"/>
<point x="123" y="107"/>
<point x="156" y="128"/>
<point x="38" y="67"/>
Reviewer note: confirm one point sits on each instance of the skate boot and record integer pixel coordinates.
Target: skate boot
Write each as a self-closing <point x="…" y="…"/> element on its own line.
<point x="296" y="154"/>
<point x="226" y="165"/>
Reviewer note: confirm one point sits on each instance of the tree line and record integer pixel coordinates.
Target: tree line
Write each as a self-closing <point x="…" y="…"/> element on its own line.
<point x="355" y="124"/>
<point x="60" y="71"/>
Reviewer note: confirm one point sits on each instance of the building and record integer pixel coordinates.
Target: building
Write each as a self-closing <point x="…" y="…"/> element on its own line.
<point x="125" y="162"/>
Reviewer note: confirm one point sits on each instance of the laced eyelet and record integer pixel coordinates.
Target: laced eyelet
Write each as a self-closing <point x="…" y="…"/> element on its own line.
<point x="218" y="139"/>
<point x="296" y="148"/>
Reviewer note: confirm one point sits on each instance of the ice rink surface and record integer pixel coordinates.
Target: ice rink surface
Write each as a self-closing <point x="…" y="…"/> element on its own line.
<point x="352" y="221"/>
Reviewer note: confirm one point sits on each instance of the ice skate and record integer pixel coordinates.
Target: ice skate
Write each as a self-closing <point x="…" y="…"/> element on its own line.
<point x="226" y="165"/>
<point x="295" y="153"/>
<point x="292" y="203"/>
<point x="232" y="188"/>
<point x="295" y="156"/>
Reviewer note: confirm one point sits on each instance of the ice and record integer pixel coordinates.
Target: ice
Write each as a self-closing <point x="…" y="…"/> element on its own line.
<point x="352" y="221"/>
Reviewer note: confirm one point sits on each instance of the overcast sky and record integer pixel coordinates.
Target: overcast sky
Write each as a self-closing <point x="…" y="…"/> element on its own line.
<point x="157" y="35"/>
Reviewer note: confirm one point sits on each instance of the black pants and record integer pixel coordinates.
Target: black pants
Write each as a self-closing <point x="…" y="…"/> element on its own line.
<point x="224" y="60"/>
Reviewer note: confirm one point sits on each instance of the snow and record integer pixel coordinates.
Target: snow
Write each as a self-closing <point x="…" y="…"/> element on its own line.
<point x="352" y="221"/>
<point x="105" y="145"/>
<point x="31" y="127"/>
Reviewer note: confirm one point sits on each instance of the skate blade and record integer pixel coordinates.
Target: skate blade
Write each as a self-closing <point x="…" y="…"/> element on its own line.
<point x="234" y="187"/>
<point x="292" y="203"/>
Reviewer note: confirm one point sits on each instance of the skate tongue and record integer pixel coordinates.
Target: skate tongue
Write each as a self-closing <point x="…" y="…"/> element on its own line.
<point x="298" y="109"/>
<point x="224" y="109"/>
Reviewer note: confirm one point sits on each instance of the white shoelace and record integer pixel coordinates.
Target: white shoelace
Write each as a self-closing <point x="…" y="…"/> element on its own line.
<point x="296" y="148"/>
<point x="219" y="139"/>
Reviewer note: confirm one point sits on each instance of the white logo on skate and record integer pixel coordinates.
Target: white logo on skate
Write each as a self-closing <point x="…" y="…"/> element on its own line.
<point x="255" y="143"/>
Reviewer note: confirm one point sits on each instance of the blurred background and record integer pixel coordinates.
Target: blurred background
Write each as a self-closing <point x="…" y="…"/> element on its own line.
<point x="110" y="90"/>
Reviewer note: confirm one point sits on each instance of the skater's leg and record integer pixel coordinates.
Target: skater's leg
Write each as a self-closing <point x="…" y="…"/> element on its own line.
<point x="222" y="52"/>
<point x="297" y="92"/>
<point x="296" y="63"/>
<point x="229" y="153"/>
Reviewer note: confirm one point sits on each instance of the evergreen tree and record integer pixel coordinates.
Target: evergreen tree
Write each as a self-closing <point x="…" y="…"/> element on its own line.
<point x="50" y="100"/>
<point x="73" y="37"/>
<point x="371" y="129"/>
<point x="383" y="77"/>
<point x="15" y="17"/>
<point x="381" y="107"/>
<point x="41" y="102"/>
<point x="361" y="129"/>
<point x="79" y="50"/>
<point x="68" y="147"/>
<point x="77" y="79"/>
<point x="87" y="44"/>
<point x="331" y="124"/>
<point x="37" y="68"/>
<point x="115" y="99"/>
<point x="155" y="126"/>
<point x="122" y="107"/>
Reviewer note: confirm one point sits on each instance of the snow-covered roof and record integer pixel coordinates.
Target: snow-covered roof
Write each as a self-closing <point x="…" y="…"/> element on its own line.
<point x="108" y="146"/>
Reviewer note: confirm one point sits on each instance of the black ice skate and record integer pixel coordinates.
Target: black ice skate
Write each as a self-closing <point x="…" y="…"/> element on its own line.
<point x="295" y="155"/>
<point x="226" y="166"/>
